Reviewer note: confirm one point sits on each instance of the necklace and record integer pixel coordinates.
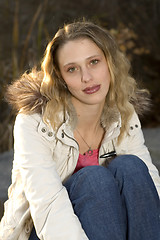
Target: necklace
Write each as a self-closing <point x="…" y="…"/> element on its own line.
<point x="89" y="151"/>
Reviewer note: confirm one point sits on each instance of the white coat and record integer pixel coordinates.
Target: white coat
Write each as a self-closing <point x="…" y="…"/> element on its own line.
<point x="43" y="160"/>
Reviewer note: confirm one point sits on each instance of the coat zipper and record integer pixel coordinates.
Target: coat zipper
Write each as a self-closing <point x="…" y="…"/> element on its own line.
<point x="70" y="138"/>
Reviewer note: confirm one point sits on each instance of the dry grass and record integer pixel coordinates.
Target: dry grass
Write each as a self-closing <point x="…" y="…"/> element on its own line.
<point x="11" y="70"/>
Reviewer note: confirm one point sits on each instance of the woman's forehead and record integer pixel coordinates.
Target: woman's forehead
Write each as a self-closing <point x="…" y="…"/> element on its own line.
<point x="77" y="50"/>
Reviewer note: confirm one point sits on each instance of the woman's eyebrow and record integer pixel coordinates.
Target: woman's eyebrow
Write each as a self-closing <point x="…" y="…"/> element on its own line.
<point x="90" y="57"/>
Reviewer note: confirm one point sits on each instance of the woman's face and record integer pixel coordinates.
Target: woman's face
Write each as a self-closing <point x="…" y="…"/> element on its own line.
<point x="84" y="68"/>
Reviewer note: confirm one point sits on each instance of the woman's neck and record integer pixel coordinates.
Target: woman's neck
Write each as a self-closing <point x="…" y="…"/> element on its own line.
<point x="89" y="117"/>
<point x="88" y="132"/>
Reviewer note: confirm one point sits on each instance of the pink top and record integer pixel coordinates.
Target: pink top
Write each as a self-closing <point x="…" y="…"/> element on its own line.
<point x="85" y="160"/>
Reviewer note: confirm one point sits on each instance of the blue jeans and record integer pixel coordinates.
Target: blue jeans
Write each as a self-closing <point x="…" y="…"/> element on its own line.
<point x="116" y="203"/>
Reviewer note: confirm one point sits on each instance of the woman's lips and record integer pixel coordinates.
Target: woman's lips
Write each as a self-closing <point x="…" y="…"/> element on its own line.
<point x="91" y="90"/>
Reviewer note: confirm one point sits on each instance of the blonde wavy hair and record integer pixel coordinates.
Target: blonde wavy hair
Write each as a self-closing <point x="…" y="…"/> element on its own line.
<point x="123" y="92"/>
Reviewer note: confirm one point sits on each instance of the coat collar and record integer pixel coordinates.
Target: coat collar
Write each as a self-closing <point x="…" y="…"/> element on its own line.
<point x="65" y="133"/>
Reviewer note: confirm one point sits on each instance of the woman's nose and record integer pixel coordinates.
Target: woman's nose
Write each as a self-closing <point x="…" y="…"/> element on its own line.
<point x="85" y="75"/>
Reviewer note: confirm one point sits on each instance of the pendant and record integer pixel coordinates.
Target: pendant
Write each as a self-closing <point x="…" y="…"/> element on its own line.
<point x="90" y="152"/>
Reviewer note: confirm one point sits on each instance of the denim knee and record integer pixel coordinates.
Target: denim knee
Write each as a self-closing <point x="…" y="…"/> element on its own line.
<point x="128" y="164"/>
<point x="92" y="178"/>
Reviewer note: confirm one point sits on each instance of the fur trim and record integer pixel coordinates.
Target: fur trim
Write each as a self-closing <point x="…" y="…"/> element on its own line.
<point x="24" y="94"/>
<point x="142" y="103"/>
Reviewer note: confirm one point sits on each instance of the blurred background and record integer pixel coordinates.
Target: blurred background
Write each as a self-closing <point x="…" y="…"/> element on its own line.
<point x="27" y="27"/>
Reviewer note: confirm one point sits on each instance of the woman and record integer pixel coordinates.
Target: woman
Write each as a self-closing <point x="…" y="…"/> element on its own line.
<point x="81" y="169"/>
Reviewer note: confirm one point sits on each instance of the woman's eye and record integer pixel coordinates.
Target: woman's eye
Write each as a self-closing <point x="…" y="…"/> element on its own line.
<point x="94" y="61"/>
<point x="71" y="70"/>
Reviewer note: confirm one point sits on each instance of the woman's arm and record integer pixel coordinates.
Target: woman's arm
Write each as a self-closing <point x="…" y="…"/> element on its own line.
<point x="50" y="206"/>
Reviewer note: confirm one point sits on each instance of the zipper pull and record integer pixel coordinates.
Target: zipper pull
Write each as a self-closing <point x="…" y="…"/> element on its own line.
<point x="108" y="155"/>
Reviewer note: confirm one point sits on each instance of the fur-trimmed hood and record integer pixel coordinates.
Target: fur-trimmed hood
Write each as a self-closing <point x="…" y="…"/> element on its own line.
<point x="24" y="93"/>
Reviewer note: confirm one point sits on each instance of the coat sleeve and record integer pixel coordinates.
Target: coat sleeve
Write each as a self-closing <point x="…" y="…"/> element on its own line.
<point x="50" y="207"/>
<point x="134" y="143"/>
